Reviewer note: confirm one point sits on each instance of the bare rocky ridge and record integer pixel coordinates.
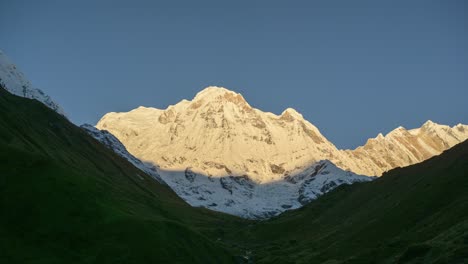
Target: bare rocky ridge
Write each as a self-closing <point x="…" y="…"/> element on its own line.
<point x="219" y="127"/>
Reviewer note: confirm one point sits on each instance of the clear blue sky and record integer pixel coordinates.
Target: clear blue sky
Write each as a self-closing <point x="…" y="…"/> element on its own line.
<point x="352" y="68"/>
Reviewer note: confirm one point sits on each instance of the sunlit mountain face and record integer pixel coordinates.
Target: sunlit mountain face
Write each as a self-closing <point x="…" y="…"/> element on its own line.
<point x="219" y="152"/>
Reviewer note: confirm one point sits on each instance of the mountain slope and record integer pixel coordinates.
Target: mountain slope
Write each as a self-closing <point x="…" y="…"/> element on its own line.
<point x="14" y="81"/>
<point x="218" y="131"/>
<point x="65" y="198"/>
<point x="417" y="214"/>
<point x="115" y="145"/>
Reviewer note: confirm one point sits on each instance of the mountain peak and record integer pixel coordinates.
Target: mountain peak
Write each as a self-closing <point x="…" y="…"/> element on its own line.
<point x="215" y="94"/>
<point x="399" y="131"/>
<point x="211" y="92"/>
<point x="291" y="114"/>
<point x="380" y="136"/>
<point x="429" y="124"/>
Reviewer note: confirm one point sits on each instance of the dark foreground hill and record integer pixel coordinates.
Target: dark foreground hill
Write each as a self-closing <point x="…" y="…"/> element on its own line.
<point x="65" y="198"/>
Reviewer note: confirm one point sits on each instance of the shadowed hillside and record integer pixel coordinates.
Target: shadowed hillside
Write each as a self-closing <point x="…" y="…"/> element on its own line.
<point x="65" y="198"/>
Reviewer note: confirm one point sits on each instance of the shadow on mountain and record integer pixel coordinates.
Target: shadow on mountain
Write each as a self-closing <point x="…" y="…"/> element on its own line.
<point x="242" y="196"/>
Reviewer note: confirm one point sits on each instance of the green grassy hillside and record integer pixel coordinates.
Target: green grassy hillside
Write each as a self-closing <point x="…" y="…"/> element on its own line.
<point x="64" y="198"/>
<point x="417" y="214"/>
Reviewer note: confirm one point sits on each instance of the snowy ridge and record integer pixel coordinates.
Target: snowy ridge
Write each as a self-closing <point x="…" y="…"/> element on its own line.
<point x="14" y="81"/>
<point x="402" y="147"/>
<point x="218" y="126"/>
<point x="114" y="144"/>
<point x="241" y="196"/>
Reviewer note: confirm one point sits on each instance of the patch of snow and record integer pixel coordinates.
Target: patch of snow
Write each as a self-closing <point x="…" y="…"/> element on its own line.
<point x="14" y="81"/>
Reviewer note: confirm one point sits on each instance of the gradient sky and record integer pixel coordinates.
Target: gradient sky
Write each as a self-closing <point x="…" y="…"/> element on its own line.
<point x="352" y="68"/>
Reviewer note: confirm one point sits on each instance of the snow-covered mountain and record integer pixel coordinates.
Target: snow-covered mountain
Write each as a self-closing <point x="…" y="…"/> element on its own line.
<point x="218" y="134"/>
<point x="240" y="195"/>
<point x="218" y="152"/>
<point x="14" y="81"/>
<point x="114" y="144"/>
